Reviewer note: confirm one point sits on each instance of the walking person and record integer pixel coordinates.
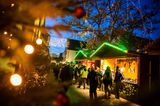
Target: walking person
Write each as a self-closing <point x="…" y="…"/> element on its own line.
<point x="107" y="80"/>
<point x="84" y="77"/>
<point x="80" y="76"/>
<point x="93" y="81"/>
<point x="99" y="76"/>
<point x="118" y="78"/>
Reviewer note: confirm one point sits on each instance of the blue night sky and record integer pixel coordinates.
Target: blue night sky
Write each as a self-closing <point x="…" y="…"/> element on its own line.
<point x="58" y="43"/>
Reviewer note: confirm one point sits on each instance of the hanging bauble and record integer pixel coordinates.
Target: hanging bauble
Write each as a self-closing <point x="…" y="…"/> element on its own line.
<point x="79" y="12"/>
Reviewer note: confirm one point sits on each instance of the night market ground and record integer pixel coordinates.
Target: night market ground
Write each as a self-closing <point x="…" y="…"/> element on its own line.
<point x="80" y="96"/>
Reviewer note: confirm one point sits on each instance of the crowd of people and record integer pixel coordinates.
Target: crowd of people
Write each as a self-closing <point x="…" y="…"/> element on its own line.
<point x="93" y="77"/>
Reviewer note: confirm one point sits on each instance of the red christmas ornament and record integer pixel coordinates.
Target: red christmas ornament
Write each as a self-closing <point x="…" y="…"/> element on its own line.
<point x="79" y="12"/>
<point x="61" y="100"/>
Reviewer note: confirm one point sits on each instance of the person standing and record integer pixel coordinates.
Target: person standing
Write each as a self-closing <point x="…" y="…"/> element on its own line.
<point x="84" y="76"/>
<point x="99" y="76"/>
<point x="118" y="78"/>
<point x="107" y="80"/>
<point x="93" y="81"/>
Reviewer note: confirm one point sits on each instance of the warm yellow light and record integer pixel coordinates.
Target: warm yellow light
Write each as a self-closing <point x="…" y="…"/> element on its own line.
<point x="16" y="80"/>
<point x="5" y="32"/>
<point x="29" y="49"/>
<point x="39" y="41"/>
<point x="12" y="5"/>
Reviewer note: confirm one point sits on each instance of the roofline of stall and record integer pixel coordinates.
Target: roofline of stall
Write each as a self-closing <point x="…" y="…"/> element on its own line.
<point x="80" y="51"/>
<point x="108" y="44"/>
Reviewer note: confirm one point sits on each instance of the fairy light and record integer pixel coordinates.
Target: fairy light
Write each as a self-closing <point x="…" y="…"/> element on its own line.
<point x="5" y="32"/>
<point x="12" y="5"/>
<point x="16" y="80"/>
<point x="39" y="41"/>
<point x="29" y="49"/>
<point x="3" y="12"/>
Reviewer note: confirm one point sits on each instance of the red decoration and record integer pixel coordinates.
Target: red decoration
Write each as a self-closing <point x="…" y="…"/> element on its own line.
<point x="61" y="100"/>
<point x="79" y="12"/>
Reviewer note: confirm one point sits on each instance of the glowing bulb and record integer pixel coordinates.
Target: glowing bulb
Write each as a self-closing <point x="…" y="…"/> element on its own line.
<point x="12" y="5"/>
<point x="5" y="32"/>
<point x="16" y="80"/>
<point x="11" y="35"/>
<point x="39" y="41"/>
<point x="29" y="49"/>
<point x="3" y="12"/>
<point x="138" y="50"/>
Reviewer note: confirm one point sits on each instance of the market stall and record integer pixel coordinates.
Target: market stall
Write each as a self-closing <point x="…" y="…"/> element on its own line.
<point x="83" y="57"/>
<point x="112" y="56"/>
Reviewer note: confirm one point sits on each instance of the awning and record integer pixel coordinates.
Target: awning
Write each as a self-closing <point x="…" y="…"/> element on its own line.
<point x="107" y="50"/>
<point x="80" y="55"/>
<point x="83" y="54"/>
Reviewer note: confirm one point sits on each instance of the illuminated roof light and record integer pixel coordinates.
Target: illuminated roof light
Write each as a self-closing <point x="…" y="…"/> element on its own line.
<point x="120" y="49"/>
<point x="79" y="53"/>
<point x="108" y="44"/>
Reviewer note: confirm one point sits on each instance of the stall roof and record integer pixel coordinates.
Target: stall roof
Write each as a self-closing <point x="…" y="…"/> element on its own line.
<point x="83" y="54"/>
<point x="80" y="54"/>
<point x="107" y="50"/>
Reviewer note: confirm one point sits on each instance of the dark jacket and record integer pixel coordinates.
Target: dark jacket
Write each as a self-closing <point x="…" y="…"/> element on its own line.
<point x="118" y="77"/>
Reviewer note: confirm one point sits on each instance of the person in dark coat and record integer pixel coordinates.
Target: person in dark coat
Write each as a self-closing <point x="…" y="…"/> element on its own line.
<point x="93" y="81"/>
<point x="107" y="80"/>
<point x="118" y="78"/>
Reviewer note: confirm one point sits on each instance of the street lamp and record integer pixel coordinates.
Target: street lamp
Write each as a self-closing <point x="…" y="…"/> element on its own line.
<point x="16" y="80"/>
<point x="29" y="49"/>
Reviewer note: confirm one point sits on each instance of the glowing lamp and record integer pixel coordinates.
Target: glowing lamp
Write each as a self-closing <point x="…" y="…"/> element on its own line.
<point x="16" y="80"/>
<point x="5" y="32"/>
<point x="39" y="41"/>
<point x="29" y="49"/>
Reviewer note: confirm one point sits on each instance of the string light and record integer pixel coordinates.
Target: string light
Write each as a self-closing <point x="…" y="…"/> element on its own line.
<point x="16" y="80"/>
<point x="3" y="12"/>
<point x="11" y="35"/>
<point x="12" y="5"/>
<point x="5" y="32"/>
<point x="29" y="49"/>
<point x="39" y="41"/>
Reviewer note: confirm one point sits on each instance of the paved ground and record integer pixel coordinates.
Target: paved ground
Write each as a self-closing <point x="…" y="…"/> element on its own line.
<point x="83" y="95"/>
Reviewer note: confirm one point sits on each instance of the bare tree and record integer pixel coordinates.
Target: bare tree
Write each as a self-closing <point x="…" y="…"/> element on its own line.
<point x="112" y="19"/>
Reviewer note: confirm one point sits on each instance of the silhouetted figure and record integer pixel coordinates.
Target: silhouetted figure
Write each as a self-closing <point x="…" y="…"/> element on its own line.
<point x="117" y="80"/>
<point x="107" y="80"/>
<point x="84" y="77"/>
<point x="93" y="81"/>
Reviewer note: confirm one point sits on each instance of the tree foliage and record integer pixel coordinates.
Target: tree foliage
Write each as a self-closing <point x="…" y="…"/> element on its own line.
<point x="21" y="23"/>
<point x="111" y="19"/>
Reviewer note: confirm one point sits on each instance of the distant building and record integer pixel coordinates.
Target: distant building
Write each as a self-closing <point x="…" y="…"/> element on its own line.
<point x="72" y="47"/>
